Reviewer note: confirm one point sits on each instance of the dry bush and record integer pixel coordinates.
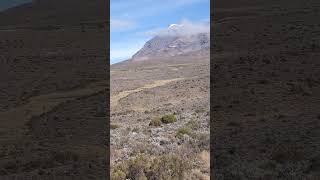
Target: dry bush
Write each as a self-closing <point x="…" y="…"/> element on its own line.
<point x="165" y="167"/>
<point x="155" y="122"/>
<point x="168" y="167"/>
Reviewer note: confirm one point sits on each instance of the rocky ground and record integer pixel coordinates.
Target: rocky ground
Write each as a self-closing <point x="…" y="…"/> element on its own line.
<point x="144" y="90"/>
<point x="265" y="82"/>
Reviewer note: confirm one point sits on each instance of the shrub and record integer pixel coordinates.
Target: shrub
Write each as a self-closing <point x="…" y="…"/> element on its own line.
<point x="119" y="172"/>
<point x="168" y="167"/>
<point x="193" y="124"/>
<point x="155" y="122"/>
<point x="203" y="140"/>
<point x="182" y="131"/>
<point x="114" y="126"/>
<point x="118" y="175"/>
<point x="168" y="119"/>
<point x="144" y="168"/>
<point x="137" y="167"/>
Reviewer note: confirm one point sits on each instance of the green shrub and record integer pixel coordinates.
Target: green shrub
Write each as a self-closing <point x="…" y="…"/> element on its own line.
<point x="119" y="172"/>
<point x="155" y="122"/>
<point x="168" y="119"/>
<point x="182" y="131"/>
<point x="118" y="175"/>
<point x="114" y="126"/>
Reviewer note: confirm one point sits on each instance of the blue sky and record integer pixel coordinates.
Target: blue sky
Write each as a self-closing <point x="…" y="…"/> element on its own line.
<point x="130" y="20"/>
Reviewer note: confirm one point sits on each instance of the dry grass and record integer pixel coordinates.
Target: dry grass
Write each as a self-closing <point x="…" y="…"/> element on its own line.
<point x="198" y="175"/>
<point x="155" y="122"/>
<point x="205" y="158"/>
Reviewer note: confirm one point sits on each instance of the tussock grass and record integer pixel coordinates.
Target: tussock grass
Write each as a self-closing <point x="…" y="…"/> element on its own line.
<point x="168" y="119"/>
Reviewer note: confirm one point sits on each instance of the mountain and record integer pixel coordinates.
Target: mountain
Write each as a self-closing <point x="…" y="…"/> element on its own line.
<point x="177" y="39"/>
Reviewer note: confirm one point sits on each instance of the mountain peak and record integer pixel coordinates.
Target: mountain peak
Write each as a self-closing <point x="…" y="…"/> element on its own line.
<point x="172" y="25"/>
<point x="176" y="39"/>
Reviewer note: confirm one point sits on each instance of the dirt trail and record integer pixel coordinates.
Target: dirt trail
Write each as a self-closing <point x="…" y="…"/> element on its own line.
<point x="180" y="65"/>
<point x="39" y="105"/>
<point x="115" y="99"/>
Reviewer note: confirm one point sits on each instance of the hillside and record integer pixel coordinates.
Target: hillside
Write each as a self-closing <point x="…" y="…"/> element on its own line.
<point x="160" y="115"/>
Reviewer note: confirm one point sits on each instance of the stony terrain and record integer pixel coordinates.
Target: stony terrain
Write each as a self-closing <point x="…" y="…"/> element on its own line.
<point x="266" y="90"/>
<point x="141" y="91"/>
<point x="173" y="44"/>
<point x="53" y="92"/>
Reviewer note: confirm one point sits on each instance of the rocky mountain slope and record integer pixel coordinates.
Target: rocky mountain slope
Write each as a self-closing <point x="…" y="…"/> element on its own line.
<point x="175" y="40"/>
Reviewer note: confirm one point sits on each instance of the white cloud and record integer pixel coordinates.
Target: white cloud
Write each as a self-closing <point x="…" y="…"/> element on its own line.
<point x="119" y="25"/>
<point x="185" y="27"/>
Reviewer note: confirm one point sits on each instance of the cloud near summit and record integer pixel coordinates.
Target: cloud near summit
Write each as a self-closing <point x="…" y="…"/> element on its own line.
<point x="185" y="27"/>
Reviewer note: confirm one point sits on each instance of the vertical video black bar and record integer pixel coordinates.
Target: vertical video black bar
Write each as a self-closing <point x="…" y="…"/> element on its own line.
<point x="54" y="90"/>
<point x="265" y="89"/>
